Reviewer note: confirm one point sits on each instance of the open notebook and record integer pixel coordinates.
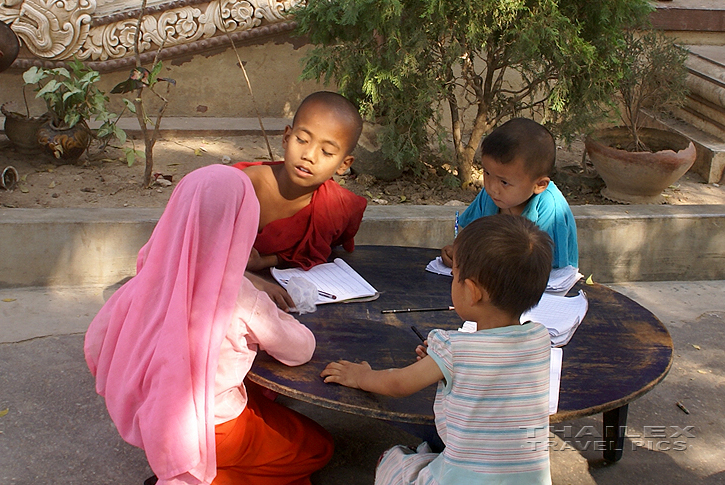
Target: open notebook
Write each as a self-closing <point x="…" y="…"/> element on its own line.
<point x="336" y="278"/>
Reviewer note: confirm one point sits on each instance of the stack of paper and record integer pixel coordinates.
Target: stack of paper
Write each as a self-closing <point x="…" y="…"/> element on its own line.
<point x="336" y="279"/>
<point x="554" y="378"/>
<point x="560" y="282"/>
<point x="561" y="315"/>
<point x="438" y="267"/>
<point x="562" y="279"/>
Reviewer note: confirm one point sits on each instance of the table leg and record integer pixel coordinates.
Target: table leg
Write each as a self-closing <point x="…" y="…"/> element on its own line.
<point x="615" y="427"/>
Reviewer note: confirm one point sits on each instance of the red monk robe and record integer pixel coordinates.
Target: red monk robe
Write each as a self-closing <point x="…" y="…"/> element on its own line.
<point x="306" y="239"/>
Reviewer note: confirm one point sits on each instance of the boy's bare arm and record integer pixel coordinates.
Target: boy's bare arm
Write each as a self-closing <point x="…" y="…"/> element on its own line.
<point x="390" y="382"/>
<point x="258" y="262"/>
<point x="447" y="255"/>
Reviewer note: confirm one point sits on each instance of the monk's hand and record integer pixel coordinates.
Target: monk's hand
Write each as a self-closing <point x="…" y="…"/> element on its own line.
<point x="346" y="373"/>
<point x="422" y="350"/>
<point x="256" y="262"/>
<point x="447" y="255"/>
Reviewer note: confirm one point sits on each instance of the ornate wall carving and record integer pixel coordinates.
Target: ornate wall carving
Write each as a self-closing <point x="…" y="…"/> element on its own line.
<point x="91" y="30"/>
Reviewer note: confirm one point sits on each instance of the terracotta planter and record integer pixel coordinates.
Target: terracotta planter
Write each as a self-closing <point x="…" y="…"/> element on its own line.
<point x="65" y="144"/>
<point x="23" y="131"/>
<point x="639" y="177"/>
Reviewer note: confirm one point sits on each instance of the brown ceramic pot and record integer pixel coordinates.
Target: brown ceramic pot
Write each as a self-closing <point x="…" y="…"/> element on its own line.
<point x="9" y="46"/>
<point x="22" y="130"/>
<point x="639" y="177"/>
<point x="65" y="144"/>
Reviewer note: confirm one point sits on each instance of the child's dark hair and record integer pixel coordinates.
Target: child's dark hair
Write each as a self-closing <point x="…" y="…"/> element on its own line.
<point x="509" y="256"/>
<point x="342" y="106"/>
<point x="525" y="139"/>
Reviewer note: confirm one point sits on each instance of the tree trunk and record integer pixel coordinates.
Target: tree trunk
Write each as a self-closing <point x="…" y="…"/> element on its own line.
<point x="149" y="153"/>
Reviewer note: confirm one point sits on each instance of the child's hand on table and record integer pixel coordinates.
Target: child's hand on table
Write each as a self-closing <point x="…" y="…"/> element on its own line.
<point x="422" y="350"/>
<point x="447" y="255"/>
<point x="346" y="373"/>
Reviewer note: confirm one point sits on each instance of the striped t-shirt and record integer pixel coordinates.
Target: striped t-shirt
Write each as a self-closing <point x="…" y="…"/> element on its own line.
<point x="492" y="408"/>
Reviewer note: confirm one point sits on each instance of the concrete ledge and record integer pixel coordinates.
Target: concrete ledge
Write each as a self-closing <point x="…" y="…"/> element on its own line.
<point x="88" y="247"/>
<point x="651" y="243"/>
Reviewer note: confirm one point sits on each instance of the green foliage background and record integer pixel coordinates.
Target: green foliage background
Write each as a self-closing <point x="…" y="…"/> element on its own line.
<point x="401" y="61"/>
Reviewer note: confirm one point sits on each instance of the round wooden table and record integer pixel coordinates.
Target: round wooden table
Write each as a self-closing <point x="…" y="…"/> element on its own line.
<point x="619" y="352"/>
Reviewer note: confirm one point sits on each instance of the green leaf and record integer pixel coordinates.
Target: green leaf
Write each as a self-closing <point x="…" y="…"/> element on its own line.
<point x="104" y="131"/>
<point x="130" y="156"/>
<point x="49" y="87"/>
<point x="33" y="75"/>
<point x="62" y="72"/>
<point x="155" y="72"/>
<point x="71" y="119"/>
<point x="120" y="134"/>
<point x="129" y="105"/>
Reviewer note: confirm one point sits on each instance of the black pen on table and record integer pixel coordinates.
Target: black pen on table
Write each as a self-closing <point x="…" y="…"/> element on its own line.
<point x="408" y="310"/>
<point x="417" y="332"/>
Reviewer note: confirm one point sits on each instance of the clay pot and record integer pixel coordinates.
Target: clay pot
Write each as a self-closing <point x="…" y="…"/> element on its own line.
<point x="23" y="130"/>
<point x="9" y="46"/>
<point x="65" y="144"/>
<point x="639" y="177"/>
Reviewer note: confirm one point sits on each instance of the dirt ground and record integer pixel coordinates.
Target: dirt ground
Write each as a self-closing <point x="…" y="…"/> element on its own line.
<point x="104" y="179"/>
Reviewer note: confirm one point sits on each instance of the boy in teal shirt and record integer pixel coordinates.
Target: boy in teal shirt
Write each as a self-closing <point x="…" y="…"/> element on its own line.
<point x="518" y="159"/>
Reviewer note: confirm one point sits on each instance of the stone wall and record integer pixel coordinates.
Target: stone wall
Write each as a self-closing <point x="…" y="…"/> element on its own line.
<point x="80" y="247"/>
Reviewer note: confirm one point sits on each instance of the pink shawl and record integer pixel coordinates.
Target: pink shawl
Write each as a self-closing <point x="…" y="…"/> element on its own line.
<point x="154" y="346"/>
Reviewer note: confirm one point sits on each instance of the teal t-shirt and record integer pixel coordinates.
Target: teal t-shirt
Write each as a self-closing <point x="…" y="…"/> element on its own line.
<point x="549" y="210"/>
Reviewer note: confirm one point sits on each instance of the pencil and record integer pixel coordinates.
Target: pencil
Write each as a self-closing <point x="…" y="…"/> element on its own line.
<point x="407" y="310"/>
<point x="417" y="332"/>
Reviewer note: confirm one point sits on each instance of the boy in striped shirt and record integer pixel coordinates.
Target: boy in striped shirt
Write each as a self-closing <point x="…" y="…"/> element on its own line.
<point x="491" y="406"/>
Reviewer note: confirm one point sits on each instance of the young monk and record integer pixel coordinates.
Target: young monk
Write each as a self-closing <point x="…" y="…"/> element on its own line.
<point x="171" y="348"/>
<point x="303" y="212"/>
<point x="518" y="158"/>
<point x="492" y="403"/>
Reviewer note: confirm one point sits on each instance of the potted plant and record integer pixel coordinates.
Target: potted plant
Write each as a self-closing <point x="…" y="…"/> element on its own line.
<point x="73" y="98"/>
<point x="637" y="163"/>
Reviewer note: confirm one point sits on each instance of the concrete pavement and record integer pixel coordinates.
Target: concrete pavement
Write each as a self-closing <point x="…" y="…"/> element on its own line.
<point x="55" y="429"/>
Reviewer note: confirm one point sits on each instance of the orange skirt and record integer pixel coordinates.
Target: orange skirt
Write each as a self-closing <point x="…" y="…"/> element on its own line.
<point x="269" y="444"/>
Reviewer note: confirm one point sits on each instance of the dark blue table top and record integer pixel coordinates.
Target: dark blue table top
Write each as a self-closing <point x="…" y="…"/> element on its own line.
<point x="619" y="352"/>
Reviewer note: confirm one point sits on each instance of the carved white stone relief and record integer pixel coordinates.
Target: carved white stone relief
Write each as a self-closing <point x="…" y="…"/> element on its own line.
<point x="51" y="29"/>
<point x="61" y="29"/>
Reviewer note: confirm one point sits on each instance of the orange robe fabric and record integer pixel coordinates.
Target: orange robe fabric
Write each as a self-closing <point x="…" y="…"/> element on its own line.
<point x="332" y="218"/>
<point x="269" y="444"/>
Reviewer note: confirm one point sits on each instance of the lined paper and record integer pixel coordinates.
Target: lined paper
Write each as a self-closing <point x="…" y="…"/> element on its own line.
<point x="337" y="278"/>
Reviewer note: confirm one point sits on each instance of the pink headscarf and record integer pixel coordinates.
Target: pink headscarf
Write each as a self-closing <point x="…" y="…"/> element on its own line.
<point x="154" y="346"/>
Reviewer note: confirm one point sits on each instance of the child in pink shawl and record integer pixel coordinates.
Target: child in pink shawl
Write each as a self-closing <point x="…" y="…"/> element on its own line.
<point x="171" y="347"/>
